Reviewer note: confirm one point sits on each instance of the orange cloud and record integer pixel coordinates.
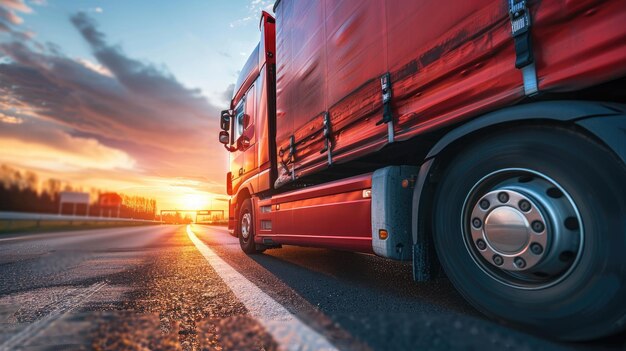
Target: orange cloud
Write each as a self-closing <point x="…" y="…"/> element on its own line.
<point x="28" y="145"/>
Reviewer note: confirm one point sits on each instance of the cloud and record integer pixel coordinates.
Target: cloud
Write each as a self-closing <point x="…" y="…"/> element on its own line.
<point x="9" y="20"/>
<point x="16" y="5"/>
<point x="9" y="16"/>
<point x="240" y="22"/>
<point x="96" y="67"/>
<point x="117" y="98"/>
<point x="120" y="110"/>
<point x="254" y="8"/>
<point x="10" y="119"/>
<point x="227" y="95"/>
<point x="36" y="145"/>
<point x="8" y="13"/>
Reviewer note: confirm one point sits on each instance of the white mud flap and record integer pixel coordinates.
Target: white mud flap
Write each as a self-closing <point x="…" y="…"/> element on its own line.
<point x="392" y="194"/>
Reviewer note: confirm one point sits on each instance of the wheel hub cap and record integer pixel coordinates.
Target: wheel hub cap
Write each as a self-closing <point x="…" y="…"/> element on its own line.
<point x="503" y="221"/>
<point x="522" y="228"/>
<point x="246" y="220"/>
<point x="507" y="230"/>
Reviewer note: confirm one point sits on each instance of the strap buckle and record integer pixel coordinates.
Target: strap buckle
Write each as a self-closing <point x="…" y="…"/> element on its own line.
<point x="520" y="18"/>
<point x="327" y="141"/>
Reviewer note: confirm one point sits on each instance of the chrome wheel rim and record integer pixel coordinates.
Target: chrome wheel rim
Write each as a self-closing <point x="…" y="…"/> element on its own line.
<point x="246" y="223"/>
<point x="522" y="228"/>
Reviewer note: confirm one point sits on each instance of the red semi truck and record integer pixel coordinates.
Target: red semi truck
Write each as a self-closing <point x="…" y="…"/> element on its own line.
<point x="484" y="137"/>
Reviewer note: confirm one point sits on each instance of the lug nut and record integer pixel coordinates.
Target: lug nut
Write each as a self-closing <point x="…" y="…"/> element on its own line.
<point x="498" y="260"/>
<point x="476" y="222"/>
<point x="484" y="204"/>
<point x="480" y="243"/>
<point x="538" y="226"/>
<point x="503" y="197"/>
<point x="535" y="248"/>
<point x="524" y="205"/>
<point x="519" y="262"/>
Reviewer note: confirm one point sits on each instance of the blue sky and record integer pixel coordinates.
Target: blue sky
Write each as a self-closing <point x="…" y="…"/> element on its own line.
<point x="201" y="42"/>
<point x="123" y="95"/>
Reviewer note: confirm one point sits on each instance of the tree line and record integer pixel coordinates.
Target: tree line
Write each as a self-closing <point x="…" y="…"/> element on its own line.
<point x="22" y="191"/>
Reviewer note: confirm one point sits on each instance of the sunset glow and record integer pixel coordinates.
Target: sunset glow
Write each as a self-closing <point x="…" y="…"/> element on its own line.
<point x="85" y="103"/>
<point x="194" y="202"/>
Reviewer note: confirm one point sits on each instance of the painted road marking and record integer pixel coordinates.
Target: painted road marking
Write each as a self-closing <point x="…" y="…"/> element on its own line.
<point x="287" y="330"/>
<point x="63" y="307"/>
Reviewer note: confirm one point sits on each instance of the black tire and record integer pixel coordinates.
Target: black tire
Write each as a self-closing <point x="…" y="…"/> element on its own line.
<point x="590" y="300"/>
<point x="246" y="236"/>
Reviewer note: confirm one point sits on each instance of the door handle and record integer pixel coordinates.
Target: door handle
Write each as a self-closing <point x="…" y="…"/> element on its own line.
<point x="241" y="171"/>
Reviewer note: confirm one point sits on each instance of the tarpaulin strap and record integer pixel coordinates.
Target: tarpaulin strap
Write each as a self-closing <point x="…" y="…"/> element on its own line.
<point x="520" y="30"/>
<point x="292" y="148"/>
<point x="385" y="85"/>
<point x="291" y="155"/>
<point x="327" y="142"/>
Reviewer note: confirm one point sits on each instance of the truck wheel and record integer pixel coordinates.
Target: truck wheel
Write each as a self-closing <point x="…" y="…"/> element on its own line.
<point x="530" y="227"/>
<point x="246" y="228"/>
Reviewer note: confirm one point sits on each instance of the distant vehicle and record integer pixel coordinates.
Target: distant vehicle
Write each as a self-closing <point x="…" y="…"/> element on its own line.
<point x="484" y="136"/>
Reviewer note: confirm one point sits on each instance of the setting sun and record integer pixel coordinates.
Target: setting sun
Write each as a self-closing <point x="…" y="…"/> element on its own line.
<point x="194" y="202"/>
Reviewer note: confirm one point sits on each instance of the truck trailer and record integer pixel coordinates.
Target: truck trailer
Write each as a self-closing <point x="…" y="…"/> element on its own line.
<point x="481" y="139"/>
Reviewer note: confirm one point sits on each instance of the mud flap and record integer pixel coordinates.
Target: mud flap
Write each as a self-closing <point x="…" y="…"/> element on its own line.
<point x="392" y="193"/>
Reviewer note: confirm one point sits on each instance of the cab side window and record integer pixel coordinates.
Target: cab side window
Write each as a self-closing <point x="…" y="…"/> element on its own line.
<point x="238" y="127"/>
<point x="244" y="116"/>
<point x="250" y="110"/>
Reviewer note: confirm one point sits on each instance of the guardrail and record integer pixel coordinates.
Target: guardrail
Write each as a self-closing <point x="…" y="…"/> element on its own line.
<point x="21" y="221"/>
<point x="25" y="216"/>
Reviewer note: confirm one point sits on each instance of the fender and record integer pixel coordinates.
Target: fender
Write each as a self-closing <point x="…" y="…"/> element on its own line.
<point x="611" y="130"/>
<point x="245" y="191"/>
<point x="606" y="121"/>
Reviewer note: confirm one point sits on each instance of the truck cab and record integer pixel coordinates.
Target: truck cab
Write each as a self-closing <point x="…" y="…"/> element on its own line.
<point x="248" y="125"/>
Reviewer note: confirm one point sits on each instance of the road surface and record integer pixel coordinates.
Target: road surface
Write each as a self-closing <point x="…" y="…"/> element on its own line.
<point x="191" y="288"/>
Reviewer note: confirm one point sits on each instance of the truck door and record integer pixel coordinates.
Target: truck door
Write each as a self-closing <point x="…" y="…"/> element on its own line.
<point x="244" y="158"/>
<point x="247" y="123"/>
<point x="236" y="163"/>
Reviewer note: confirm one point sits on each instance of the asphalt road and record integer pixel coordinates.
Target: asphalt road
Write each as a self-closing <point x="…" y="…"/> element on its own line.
<point x="191" y="288"/>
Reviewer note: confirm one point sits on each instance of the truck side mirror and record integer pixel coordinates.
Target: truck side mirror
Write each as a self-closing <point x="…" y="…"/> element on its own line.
<point x="243" y="143"/>
<point x="224" y="137"/>
<point x="225" y="118"/>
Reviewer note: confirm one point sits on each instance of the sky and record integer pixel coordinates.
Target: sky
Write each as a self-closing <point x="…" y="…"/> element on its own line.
<point x="123" y="95"/>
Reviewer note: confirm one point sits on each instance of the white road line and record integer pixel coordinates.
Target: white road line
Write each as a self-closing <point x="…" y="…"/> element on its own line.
<point x="20" y="339"/>
<point x="287" y="330"/>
